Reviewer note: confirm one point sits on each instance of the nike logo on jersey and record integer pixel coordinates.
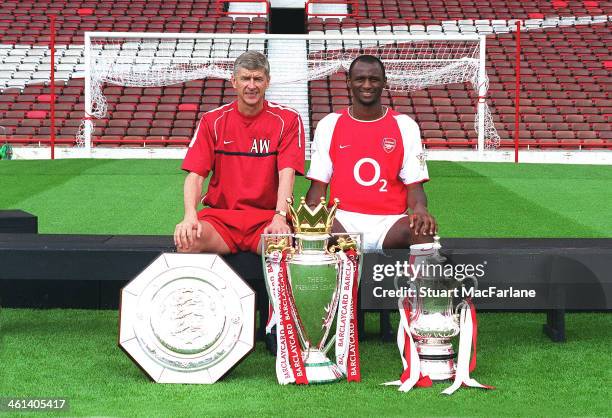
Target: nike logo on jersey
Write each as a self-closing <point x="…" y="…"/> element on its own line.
<point x="227" y="142"/>
<point x="344" y="146"/>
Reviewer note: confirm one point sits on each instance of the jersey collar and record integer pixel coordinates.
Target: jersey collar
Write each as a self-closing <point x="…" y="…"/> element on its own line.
<point x="384" y="115"/>
<point x="250" y="118"/>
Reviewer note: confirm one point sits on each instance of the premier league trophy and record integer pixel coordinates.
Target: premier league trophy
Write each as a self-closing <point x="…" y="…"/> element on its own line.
<point x="313" y="285"/>
<point x="429" y="321"/>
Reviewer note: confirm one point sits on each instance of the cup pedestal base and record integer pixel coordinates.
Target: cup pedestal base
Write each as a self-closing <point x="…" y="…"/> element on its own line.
<point x="319" y="368"/>
<point x="437" y="360"/>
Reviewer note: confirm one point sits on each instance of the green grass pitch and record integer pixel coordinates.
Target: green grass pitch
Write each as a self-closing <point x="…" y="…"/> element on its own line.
<point x="73" y="353"/>
<point x="469" y="200"/>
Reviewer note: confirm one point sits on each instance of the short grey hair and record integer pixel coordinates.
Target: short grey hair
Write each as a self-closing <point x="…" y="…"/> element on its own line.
<point x="252" y="60"/>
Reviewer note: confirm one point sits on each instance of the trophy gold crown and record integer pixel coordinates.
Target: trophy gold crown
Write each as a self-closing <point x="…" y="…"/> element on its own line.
<point x="317" y="221"/>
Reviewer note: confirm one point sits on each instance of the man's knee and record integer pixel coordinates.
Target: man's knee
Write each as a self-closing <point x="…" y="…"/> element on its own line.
<point x="192" y="249"/>
<point x="401" y="235"/>
<point x="209" y="241"/>
<point x="419" y="238"/>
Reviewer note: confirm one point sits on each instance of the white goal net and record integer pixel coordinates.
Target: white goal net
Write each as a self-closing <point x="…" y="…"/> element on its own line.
<point x="412" y="62"/>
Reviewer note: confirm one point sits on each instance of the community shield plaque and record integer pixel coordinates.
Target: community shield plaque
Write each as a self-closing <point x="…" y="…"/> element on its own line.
<point x="187" y="318"/>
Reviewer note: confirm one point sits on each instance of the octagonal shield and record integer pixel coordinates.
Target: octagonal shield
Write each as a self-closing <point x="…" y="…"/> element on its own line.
<point x="187" y="318"/>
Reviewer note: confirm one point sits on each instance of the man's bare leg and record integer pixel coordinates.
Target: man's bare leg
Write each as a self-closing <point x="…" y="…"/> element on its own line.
<point x="259" y="247"/>
<point x="209" y="242"/>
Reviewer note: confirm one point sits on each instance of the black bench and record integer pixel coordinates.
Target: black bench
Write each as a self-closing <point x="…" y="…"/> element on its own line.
<point x="18" y="221"/>
<point x="87" y="271"/>
<point x="573" y="273"/>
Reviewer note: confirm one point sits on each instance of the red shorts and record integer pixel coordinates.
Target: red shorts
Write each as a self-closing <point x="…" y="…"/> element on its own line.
<point x="240" y="229"/>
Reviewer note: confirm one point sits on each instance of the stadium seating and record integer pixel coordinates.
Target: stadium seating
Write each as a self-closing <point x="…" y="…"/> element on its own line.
<point x="155" y="115"/>
<point x="436" y="11"/>
<point x="565" y="98"/>
<point x="565" y="70"/>
<point x="565" y="79"/>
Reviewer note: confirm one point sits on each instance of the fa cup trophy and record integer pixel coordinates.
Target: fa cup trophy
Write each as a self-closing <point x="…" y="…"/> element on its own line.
<point x="429" y="321"/>
<point x="433" y="322"/>
<point x="312" y="283"/>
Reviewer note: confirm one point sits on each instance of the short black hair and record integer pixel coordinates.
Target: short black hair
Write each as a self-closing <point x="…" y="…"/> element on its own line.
<point x="369" y="59"/>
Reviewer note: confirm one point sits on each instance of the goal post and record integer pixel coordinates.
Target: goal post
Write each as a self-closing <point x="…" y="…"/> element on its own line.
<point x="483" y="87"/>
<point x="412" y="62"/>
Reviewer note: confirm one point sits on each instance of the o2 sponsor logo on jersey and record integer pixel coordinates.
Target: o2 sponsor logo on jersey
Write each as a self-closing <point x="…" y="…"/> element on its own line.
<point x="375" y="180"/>
<point x="389" y="144"/>
<point x="260" y="146"/>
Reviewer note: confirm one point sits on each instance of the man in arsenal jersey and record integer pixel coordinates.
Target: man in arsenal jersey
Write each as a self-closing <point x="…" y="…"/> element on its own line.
<point x="253" y="148"/>
<point x="372" y="159"/>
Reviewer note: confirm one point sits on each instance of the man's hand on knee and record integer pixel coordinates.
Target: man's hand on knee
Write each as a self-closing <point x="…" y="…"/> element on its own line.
<point x="278" y="225"/>
<point x="186" y="232"/>
<point x="422" y="223"/>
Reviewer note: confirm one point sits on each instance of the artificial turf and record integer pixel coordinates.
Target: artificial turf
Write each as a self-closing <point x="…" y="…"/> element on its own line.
<point x="468" y="199"/>
<point x="73" y="354"/>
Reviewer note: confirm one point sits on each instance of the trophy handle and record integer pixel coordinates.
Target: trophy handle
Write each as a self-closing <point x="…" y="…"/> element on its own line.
<point x="413" y="300"/>
<point x="472" y="278"/>
<point x="463" y="302"/>
<point x="458" y="308"/>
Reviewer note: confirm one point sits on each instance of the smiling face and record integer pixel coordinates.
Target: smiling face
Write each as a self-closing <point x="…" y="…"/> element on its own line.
<point x="366" y="82"/>
<point x="250" y="87"/>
